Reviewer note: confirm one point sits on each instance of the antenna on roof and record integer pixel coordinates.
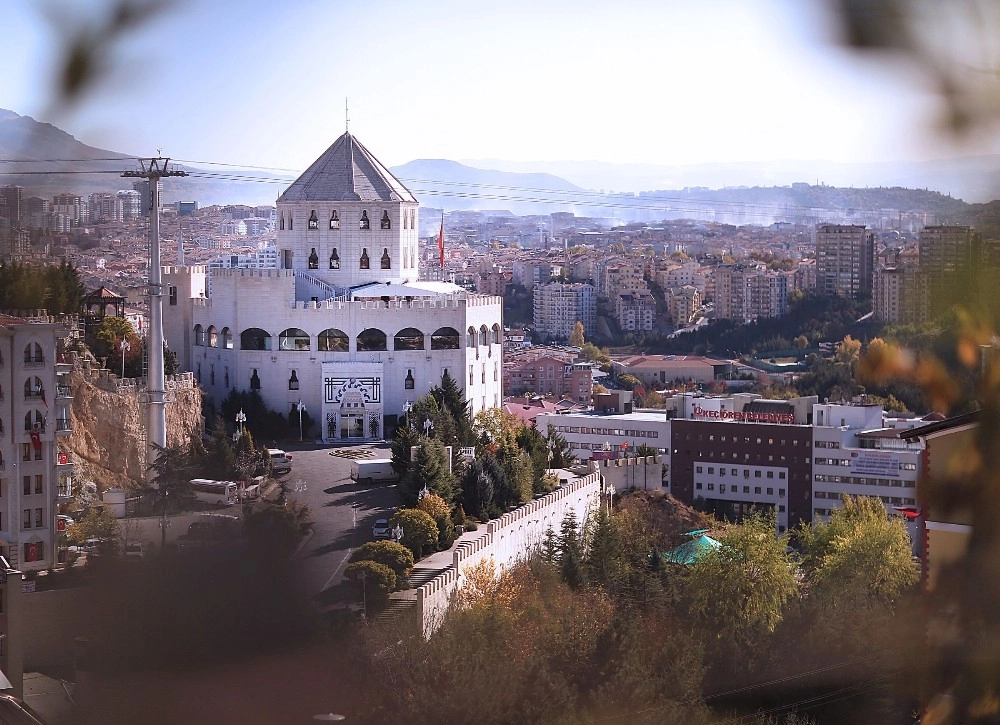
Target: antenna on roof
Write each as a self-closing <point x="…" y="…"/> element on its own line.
<point x="347" y="118"/>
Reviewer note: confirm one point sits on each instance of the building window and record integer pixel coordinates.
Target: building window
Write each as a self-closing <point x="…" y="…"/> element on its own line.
<point x="293" y="381"/>
<point x="334" y="220"/>
<point x="26" y="485"/>
<point x="172" y="294"/>
<point x="746" y="489"/>
<point x="385" y="222"/>
<point x="781" y="475"/>
<point x="25" y="451"/>
<point x="408" y="382"/>
<point x="386" y="261"/>
<point x="770" y="492"/>
<point x="364" y="223"/>
<point x="756" y="490"/>
<point x="756" y="474"/>
<point x="282" y="224"/>
<point x="334" y="258"/>
<point x="363" y="264"/>
<point x="38" y="518"/>
<point x="313" y="259"/>
<point x="26" y="519"/>
<point x="38" y="482"/>
<point x="313" y="221"/>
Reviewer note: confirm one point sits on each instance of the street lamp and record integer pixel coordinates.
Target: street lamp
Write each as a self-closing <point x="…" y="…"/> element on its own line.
<point x="125" y="348"/>
<point x="428" y="427"/>
<point x="397" y="533"/>
<point x="241" y="418"/>
<point x="423" y="492"/>
<point x="609" y="489"/>
<point x="302" y="409"/>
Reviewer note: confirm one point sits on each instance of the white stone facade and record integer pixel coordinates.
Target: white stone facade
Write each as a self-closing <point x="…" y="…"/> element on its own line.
<point x="342" y="325"/>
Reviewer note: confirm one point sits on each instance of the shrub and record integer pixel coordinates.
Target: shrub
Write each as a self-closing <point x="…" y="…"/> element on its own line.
<point x="376" y="579"/>
<point x="395" y="556"/>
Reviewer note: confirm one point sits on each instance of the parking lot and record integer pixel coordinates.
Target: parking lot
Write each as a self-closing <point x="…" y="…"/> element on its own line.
<point x="343" y="514"/>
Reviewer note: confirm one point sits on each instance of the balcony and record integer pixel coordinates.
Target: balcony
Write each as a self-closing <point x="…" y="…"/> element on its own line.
<point x="64" y="425"/>
<point x="63" y="391"/>
<point x="34" y="394"/>
<point x="64" y="459"/>
<point x="34" y="362"/>
<point x="64" y="489"/>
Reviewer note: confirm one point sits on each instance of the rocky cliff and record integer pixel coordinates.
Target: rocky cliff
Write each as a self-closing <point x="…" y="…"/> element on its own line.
<point x="108" y="439"/>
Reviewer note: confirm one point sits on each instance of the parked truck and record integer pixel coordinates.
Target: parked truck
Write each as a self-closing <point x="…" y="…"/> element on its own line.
<point x="372" y="471"/>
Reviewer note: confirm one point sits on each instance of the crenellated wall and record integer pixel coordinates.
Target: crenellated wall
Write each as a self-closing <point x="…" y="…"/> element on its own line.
<point x="507" y="540"/>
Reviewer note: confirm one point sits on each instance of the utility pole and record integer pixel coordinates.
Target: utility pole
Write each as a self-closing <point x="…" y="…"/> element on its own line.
<point x="153" y="170"/>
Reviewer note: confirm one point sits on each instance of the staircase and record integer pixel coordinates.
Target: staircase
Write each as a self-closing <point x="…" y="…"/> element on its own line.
<point x="420" y="575"/>
<point x="329" y="291"/>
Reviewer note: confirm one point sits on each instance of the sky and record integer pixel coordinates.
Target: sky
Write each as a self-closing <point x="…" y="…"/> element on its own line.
<point x="264" y="83"/>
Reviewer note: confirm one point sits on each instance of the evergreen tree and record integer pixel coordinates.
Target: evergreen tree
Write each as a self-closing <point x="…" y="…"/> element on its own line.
<point x="220" y="459"/>
<point x="430" y="470"/>
<point x="571" y="552"/>
<point x="550" y="547"/>
<point x="403" y="441"/>
<point x="604" y="555"/>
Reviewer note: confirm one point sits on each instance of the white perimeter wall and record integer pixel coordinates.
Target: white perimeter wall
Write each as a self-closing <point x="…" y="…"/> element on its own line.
<point x="509" y="539"/>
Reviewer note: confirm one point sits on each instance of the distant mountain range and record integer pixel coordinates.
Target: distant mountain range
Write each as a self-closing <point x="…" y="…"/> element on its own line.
<point x="46" y="160"/>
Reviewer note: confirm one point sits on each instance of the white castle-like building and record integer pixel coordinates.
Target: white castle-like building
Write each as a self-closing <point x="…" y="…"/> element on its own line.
<point x="343" y="324"/>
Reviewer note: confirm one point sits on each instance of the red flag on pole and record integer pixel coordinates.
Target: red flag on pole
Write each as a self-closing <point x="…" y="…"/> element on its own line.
<point x="441" y="241"/>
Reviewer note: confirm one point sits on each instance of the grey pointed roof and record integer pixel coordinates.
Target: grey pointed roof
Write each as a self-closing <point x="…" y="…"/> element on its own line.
<point x="347" y="171"/>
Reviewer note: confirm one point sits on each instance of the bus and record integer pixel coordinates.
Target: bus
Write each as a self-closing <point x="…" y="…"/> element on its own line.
<point x="220" y="493"/>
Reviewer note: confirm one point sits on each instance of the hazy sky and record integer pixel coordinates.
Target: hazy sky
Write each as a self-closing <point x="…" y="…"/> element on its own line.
<point x="262" y="82"/>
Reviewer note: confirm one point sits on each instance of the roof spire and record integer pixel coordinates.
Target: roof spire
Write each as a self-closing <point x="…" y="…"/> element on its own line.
<point x="347" y="118"/>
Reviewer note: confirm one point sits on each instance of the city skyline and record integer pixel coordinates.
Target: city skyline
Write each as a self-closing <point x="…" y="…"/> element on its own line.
<point x="657" y="83"/>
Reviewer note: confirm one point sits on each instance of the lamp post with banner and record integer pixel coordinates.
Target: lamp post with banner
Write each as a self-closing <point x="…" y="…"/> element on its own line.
<point x="125" y="348"/>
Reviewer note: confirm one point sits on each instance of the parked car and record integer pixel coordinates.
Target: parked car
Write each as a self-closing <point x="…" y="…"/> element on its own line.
<point x="281" y="462"/>
<point x="381" y="529"/>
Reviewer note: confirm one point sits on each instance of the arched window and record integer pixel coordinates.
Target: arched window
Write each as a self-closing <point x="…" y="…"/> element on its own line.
<point x="386" y="262"/>
<point x="213" y="336"/>
<point x="293" y="339"/>
<point x="282" y="221"/>
<point x="33" y="354"/>
<point x="385" y="222"/>
<point x="313" y="259"/>
<point x="364" y="259"/>
<point x="255" y="380"/>
<point x="33" y="389"/>
<point x="313" y="220"/>
<point x="371" y="340"/>
<point x="293" y="381"/>
<point x="445" y="338"/>
<point x="334" y="220"/>
<point x="364" y="223"/>
<point x="332" y="340"/>
<point x="227" y="340"/>
<point x="408" y="381"/>
<point x="409" y="338"/>
<point x="406" y="219"/>
<point x="199" y="335"/>
<point x="334" y="259"/>
<point x="484" y="335"/>
<point x="470" y="338"/>
<point x="34" y="422"/>
<point x="254" y="338"/>
<point x="291" y="219"/>
<point x="497" y="335"/>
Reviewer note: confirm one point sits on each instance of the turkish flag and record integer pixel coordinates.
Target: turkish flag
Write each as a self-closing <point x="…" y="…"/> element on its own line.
<point x="36" y="440"/>
<point x="441" y="241"/>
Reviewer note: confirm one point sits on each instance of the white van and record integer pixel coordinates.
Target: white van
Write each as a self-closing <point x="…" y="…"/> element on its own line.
<point x="281" y="462"/>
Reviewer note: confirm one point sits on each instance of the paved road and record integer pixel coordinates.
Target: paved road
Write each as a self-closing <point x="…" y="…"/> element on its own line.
<point x="338" y="526"/>
<point x="343" y="514"/>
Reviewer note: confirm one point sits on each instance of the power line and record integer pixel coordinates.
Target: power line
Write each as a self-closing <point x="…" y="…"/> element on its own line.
<point x="647" y="201"/>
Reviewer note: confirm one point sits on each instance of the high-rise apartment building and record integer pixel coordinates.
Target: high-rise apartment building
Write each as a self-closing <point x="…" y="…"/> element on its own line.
<point x="12" y="204"/>
<point x="35" y="471"/>
<point x="71" y="206"/>
<point x="845" y="260"/>
<point x="950" y="258"/>
<point x="558" y="307"/>
<point x="900" y="292"/>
